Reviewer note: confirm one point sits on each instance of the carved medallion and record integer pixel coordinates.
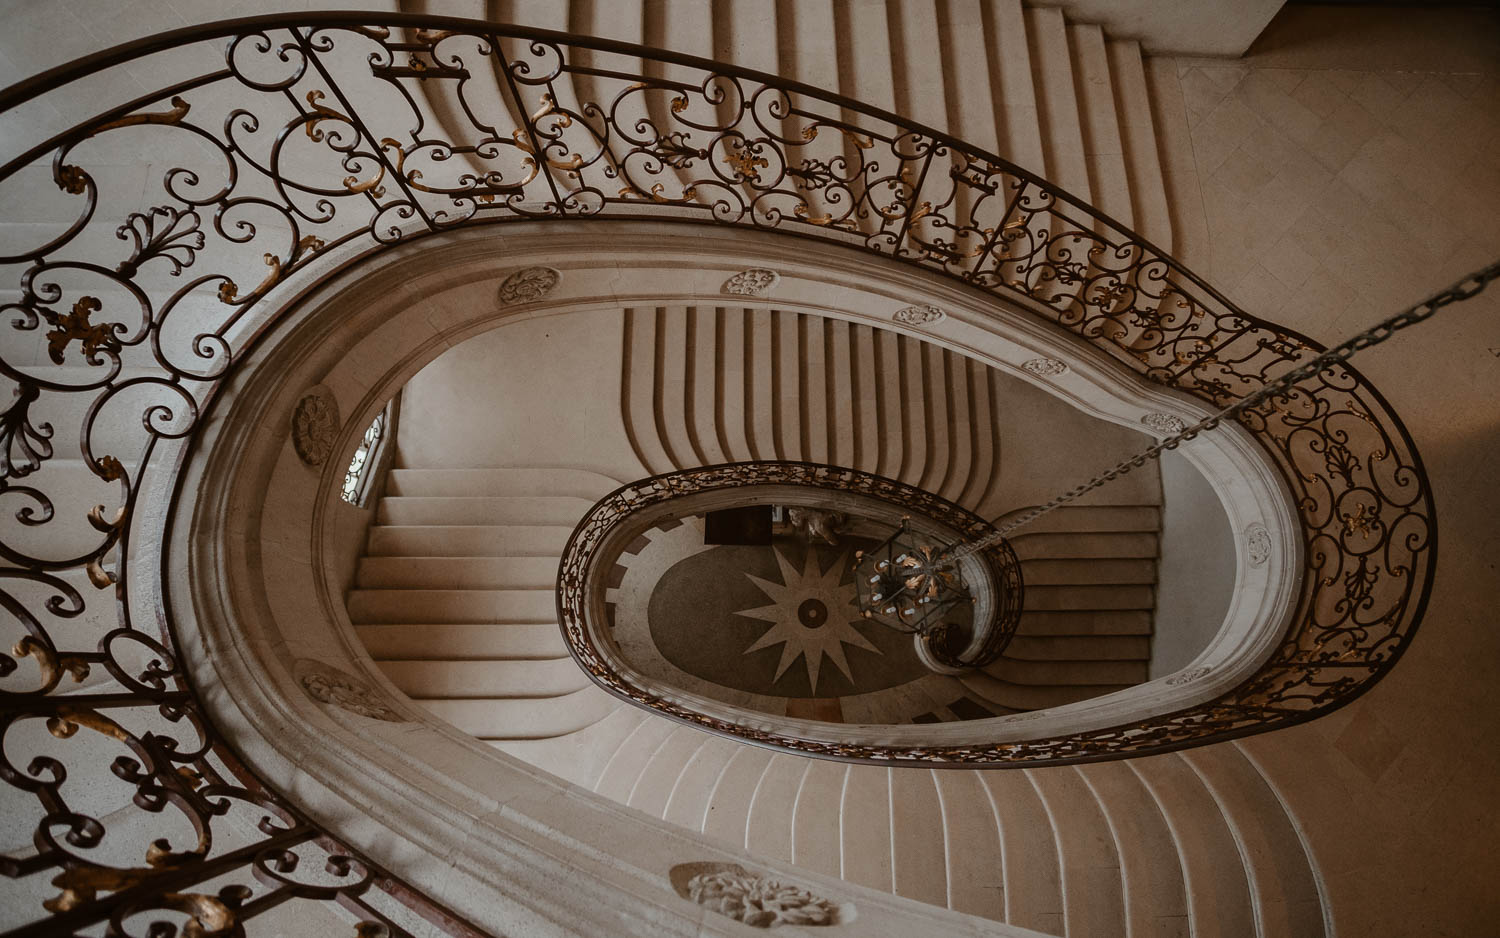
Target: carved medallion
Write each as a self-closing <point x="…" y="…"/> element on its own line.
<point x="757" y="281"/>
<point x="528" y="285"/>
<point x="1165" y="424"/>
<point x="1187" y="677"/>
<point x="1258" y="544"/>
<point x="1044" y="367"/>
<point x="756" y="900"/>
<point x="315" y="425"/>
<point x="919" y="315"/>
<point x="336" y="688"/>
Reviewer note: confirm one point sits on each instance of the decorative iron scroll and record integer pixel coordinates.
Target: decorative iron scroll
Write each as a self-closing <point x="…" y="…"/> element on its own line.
<point x="356" y="131"/>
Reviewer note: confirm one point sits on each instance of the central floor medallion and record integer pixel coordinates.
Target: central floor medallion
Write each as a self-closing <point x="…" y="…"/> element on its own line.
<point x="799" y="609"/>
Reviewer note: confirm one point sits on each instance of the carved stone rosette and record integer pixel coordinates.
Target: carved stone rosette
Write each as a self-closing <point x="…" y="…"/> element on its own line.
<point x="1187" y="677"/>
<point x="757" y="281"/>
<point x="756" y="900"/>
<point x="1165" y="424"/>
<point x="337" y="688"/>
<point x="1044" y="367"/>
<point x="315" y="425"/>
<point x="1258" y="544"/>
<point x="528" y="285"/>
<point x="919" y="315"/>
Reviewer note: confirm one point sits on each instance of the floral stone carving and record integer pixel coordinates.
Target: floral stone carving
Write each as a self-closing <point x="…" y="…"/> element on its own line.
<point x="1258" y="544"/>
<point x="1186" y="677"/>
<point x="1044" y="367"/>
<point x="527" y="285"/>
<point x="315" y="425"/>
<point x="1165" y="424"/>
<point x="757" y="281"/>
<point x="731" y="890"/>
<point x="336" y="688"/>
<point x="919" y="315"/>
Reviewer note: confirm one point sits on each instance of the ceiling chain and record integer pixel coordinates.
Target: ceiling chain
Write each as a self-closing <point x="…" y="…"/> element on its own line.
<point x="1464" y="289"/>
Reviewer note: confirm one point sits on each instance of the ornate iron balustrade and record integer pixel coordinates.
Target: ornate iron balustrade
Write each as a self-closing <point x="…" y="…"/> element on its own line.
<point x="323" y="131"/>
<point x="578" y="596"/>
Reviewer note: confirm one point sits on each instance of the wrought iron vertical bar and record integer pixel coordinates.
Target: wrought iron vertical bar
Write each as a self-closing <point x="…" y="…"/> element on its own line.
<point x="542" y="166"/>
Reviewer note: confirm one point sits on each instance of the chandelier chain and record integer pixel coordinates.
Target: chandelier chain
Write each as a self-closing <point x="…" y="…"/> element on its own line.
<point x="1464" y="289"/>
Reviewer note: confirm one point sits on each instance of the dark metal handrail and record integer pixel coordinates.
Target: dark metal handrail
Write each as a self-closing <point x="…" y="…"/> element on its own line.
<point x="315" y="135"/>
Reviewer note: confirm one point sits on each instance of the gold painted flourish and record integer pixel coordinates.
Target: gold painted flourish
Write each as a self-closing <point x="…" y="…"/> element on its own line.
<point x="178" y="111"/>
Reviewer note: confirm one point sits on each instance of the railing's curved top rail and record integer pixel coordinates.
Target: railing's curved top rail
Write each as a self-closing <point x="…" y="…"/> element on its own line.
<point x="365" y="130"/>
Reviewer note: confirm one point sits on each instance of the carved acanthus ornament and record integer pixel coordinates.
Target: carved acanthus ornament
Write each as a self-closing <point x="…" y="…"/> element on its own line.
<point x="1044" y="367"/>
<point x="340" y="689"/>
<point x="315" y="425"/>
<point x="919" y="315"/>
<point x="757" y="281"/>
<point x="1258" y="544"/>
<point x="756" y="900"/>
<point x="1165" y="424"/>
<point x="528" y="285"/>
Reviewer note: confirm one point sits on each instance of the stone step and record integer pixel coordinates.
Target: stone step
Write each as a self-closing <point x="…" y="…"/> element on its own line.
<point x="1079" y="648"/>
<point x="1081" y="546"/>
<point x="1094" y="572"/>
<point x="467" y="573"/>
<point x="1068" y="673"/>
<point x="530" y="482"/>
<point x="496" y="540"/>
<point x="368" y="607"/>
<point x="459" y="641"/>
<point x="1091" y="519"/>
<point x="1088" y="598"/>
<point x="1083" y="623"/>
<point x="489" y="680"/>
<point x="482" y="510"/>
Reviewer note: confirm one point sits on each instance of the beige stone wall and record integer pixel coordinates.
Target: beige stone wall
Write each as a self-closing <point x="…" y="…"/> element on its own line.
<point x="1348" y="166"/>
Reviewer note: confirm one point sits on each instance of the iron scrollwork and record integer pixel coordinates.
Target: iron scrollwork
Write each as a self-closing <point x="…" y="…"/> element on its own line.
<point x="318" y="133"/>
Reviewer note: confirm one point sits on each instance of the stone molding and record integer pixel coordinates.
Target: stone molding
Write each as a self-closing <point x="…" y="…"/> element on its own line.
<point x="1258" y="544"/>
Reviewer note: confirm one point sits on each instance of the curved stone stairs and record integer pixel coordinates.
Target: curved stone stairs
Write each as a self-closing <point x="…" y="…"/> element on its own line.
<point x="455" y="597"/>
<point x="1182" y="844"/>
<point x="1195" y="843"/>
<point x="702" y="385"/>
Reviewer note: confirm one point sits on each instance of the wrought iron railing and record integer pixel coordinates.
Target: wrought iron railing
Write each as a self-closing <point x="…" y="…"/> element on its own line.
<point x="353" y="131"/>
<point x="998" y="580"/>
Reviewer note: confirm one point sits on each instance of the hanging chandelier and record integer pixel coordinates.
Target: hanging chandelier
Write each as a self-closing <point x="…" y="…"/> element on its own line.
<point x="907" y="582"/>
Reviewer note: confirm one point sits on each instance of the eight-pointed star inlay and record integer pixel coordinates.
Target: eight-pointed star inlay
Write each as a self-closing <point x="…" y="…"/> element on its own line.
<point x="812" y="616"/>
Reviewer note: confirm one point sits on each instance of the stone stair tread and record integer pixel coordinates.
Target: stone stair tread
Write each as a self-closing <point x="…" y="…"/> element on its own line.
<point x="1101" y="571"/>
<point x="1083" y="597"/>
<point x="1085" y="623"/>
<point x="368" y="607"/>
<point x="514" y="481"/>
<point x="449" y="641"/>
<point x="481" y="510"/>
<point x="1079" y="648"/>
<point x="1026" y="697"/>
<point x="1084" y="546"/>
<point x="1068" y="673"/>
<point x="487" y="540"/>
<point x="397" y="572"/>
<point x="488" y="719"/>
<point x="489" y="680"/>
<point x="1094" y="519"/>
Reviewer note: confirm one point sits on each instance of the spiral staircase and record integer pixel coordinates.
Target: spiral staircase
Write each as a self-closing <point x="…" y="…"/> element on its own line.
<point x="453" y="594"/>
